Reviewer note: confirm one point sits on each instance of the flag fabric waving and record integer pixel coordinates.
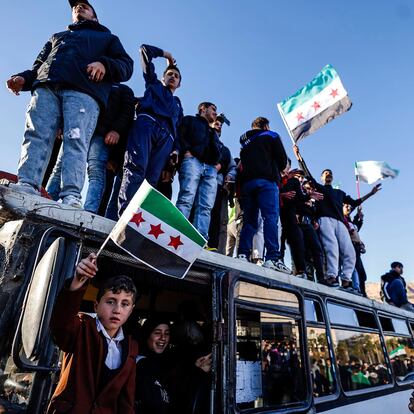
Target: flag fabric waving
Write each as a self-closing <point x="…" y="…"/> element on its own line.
<point x="371" y="171"/>
<point x="314" y="105"/>
<point x="155" y="232"/>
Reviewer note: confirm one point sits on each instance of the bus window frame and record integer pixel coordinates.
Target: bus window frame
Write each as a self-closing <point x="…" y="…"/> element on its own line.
<point x="48" y="359"/>
<point x="326" y="325"/>
<point x="349" y="394"/>
<point x="298" y="315"/>
<point x="408" y="383"/>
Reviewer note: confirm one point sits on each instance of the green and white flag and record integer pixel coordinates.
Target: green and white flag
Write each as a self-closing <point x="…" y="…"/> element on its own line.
<point x="155" y="232"/>
<point x="399" y="351"/>
<point x="314" y="105"/>
<point x="371" y="171"/>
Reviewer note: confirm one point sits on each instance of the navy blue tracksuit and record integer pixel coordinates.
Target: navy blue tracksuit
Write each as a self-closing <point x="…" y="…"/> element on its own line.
<point x="153" y="135"/>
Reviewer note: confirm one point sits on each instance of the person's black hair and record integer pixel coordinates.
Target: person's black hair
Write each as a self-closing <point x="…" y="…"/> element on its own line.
<point x="396" y="264"/>
<point x="151" y="323"/>
<point x="172" y="67"/>
<point x="260" y="123"/>
<point x="327" y="169"/>
<point x="204" y="105"/>
<point x="117" y="284"/>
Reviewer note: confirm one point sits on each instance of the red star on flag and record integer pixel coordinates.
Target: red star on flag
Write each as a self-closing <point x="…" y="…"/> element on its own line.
<point x="156" y="230"/>
<point x="334" y="92"/>
<point x="316" y="105"/>
<point x="137" y="218"/>
<point x="299" y="116"/>
<point x="175" y="242"/>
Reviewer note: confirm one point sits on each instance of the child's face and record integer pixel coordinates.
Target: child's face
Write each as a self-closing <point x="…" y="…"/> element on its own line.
<point x="159" y="338"/>
<point x="113" y="310"/>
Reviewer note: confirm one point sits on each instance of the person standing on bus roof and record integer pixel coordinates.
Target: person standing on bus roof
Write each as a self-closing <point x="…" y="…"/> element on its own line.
<point x="334" y="234"/>
<point x="152" y="141"/>
<point x="200" y="158"/>
<point x="98" y="369"/>
<point x="262" y="157"/>
<point x="394" y="288"/>
<point x="70" y="80"/>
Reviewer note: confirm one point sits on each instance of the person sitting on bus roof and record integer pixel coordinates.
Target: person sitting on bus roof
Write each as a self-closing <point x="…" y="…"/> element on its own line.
<point x="393" y="287"/>
<point x="98" y="369"/>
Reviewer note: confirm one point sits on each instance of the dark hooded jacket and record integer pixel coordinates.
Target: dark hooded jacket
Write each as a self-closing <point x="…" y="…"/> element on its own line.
<point x="262" y="155"/>
<point x="65" y="57"/>
<point x="386" y="279"/>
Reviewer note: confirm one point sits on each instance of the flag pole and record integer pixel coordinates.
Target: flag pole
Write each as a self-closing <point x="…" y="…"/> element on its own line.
<point x="286" y="125"/>
<point x="357" y="181"/>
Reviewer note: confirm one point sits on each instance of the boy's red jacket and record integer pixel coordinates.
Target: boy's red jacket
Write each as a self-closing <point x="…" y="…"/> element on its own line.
<point x="84" y="357"/>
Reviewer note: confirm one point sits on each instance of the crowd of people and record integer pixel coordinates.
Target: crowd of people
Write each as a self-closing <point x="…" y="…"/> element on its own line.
<point x="82" y="118"/>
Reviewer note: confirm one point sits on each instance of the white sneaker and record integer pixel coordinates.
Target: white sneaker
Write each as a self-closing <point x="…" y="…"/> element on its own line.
<point x="24" y="188"/>
<point x="71" y="201"/>
<point x="302" y="276"/>
<point x="277" y="265"/>
<point x="242" y="257"/>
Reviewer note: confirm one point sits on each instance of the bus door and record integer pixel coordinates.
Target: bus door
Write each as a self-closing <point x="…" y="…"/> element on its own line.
<point x="30" y="369"/>
<point x="266" y="364"/>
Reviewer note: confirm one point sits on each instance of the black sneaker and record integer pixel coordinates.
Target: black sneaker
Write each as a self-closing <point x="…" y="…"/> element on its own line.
<point x="348" y="288"/>
<point x="331" y="282"/>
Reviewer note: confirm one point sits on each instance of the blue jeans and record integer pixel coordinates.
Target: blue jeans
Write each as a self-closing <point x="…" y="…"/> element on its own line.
<point x="112" y="207"/>
<point x="98" y="155"/>
<point x="198" y="186"/>
<point x="148" y="149"/>
<point x="50" y="108"/>
<point x="260" y="195"/>
<point x="397" y="292"/>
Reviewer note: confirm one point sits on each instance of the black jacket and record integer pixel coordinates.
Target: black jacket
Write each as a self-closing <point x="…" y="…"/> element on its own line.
<point x="158" y="101"/>
<point x="118" y="116"/>
<point x="262" y="155"/>
<point x="386" y="279"/>
<point x="66" y="55"/>
<point x="197" y="137"/>
<point x="333" y="198"/>
<point x="289" y="208"/>
<point x="151" y="394"/>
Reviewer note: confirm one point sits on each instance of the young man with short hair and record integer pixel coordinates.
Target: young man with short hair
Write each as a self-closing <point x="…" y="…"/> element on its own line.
<point x="334" y="234"/>
<point x="263" y="158"/>
<point x="98" y="369"/>
<point x="70" y="80"/>
<point x="153" y="139"/>
<point x="394" y="288"/>
<point x="198" y="172"/>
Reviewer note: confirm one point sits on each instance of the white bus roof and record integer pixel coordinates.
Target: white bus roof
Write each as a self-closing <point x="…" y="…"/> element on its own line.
<point x="16" y="205"/>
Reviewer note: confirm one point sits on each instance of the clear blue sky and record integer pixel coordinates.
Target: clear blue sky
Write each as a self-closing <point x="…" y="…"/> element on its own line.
<point x="246" y="56"/>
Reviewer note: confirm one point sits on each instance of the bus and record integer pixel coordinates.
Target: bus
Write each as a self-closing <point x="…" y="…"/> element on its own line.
<point x="279" y="344"/>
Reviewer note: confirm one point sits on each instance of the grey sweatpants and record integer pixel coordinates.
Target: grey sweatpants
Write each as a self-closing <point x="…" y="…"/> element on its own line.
<point x="338" y="247"/>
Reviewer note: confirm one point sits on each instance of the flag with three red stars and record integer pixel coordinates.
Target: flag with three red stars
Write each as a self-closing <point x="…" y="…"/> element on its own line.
<point x="155" y="232"/>
<point x="317" y="103"/>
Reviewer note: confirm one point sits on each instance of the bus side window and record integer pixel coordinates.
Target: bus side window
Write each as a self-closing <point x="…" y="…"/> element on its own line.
<point x="358" y="350"/>
<point x="322" y="372"/>
<point x="269" y="364"/>
<point x="400" y="348"/>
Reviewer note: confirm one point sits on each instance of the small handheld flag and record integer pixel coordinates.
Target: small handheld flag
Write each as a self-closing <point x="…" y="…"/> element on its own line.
<point x="155" y="232"/>
<point x="371" y="171"/>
